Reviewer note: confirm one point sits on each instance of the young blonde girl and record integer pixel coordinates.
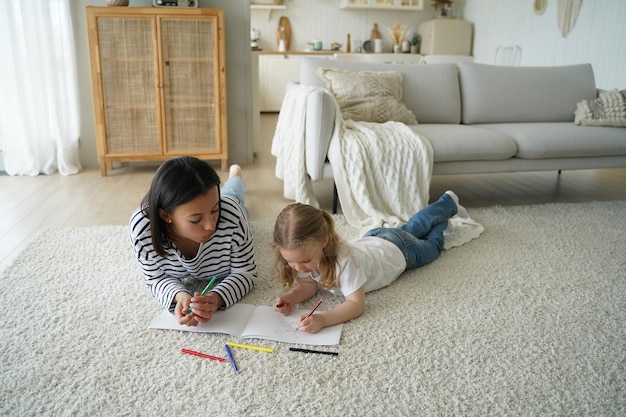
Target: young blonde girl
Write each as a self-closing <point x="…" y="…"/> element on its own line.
<point x="311" y="255"/>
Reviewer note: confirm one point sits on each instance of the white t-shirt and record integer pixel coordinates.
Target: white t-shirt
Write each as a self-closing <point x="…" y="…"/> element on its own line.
<point x="373" y="262"/>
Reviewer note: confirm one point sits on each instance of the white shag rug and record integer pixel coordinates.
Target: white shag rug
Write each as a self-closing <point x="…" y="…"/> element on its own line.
<point x="529" y="319"/>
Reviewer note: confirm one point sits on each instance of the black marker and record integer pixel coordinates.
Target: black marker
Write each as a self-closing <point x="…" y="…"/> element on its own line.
<point x="313" y="351"/>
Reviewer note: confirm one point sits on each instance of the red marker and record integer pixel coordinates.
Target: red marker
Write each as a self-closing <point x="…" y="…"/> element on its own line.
<point x="203" y="355"/>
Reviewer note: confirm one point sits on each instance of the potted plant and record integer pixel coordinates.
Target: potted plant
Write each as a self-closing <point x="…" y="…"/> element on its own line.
<point x="415" y="42"/>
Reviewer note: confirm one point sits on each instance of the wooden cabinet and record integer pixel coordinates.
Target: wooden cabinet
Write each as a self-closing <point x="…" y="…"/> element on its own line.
<point x="383" y="4"/>
<point x="159" y="83"/>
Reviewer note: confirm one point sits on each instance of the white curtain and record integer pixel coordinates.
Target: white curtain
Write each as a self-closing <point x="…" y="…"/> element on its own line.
<point x="39" y="118"/>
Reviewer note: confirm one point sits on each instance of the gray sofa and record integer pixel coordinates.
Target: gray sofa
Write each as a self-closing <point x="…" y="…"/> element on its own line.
<point x="481" y="118"/>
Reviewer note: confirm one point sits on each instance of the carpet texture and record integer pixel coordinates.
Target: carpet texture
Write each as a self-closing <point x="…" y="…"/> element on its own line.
<point x="528" y="319"/>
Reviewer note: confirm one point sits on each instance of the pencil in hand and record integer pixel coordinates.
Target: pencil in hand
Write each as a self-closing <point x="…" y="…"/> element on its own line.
<point x="312" y="311"/>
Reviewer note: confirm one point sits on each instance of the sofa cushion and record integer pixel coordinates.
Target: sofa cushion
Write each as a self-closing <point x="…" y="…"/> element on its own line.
<point x="499" y="94"/>
<point x="369" y="96"/>
<point x="562" y="140"/>
<point x="609" y="109"/>
<point x="431" y="92"/>
<point x="466" y="143"/>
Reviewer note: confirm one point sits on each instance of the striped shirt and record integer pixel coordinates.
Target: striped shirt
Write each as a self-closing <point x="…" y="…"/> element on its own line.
<point x="227" y="255"/>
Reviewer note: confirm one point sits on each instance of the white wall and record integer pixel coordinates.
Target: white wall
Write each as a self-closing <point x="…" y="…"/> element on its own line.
<point x="599" y="36"/>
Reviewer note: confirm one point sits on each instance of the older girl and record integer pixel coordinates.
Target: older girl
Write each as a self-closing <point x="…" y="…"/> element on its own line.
<point x="186" y="232"/>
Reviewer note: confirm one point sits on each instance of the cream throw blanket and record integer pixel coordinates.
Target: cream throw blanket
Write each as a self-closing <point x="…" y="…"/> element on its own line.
<point x="288" y="146"/>
<point x="382" y="170"/>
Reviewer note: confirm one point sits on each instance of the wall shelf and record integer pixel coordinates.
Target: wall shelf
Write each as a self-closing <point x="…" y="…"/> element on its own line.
<point x="266" y="8"/>
<point x="383" y="4"/>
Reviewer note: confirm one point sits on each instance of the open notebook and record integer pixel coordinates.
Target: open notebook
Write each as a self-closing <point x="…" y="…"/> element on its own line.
<point x="254" y="322"/>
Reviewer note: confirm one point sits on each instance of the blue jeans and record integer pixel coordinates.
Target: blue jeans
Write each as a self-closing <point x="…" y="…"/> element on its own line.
<point x="421" y="238"/>
<point x="235" y="187"/>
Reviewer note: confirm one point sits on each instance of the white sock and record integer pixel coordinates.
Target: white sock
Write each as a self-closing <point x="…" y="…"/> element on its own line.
<point x="460" y="210"/>
<point x="233" y="169"/>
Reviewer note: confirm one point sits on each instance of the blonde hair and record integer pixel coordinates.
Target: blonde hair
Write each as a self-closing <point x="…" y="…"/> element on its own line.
<point x="300" y="225"/>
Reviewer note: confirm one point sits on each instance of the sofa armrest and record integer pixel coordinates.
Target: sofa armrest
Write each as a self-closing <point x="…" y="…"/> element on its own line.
<point x="319" y="125"/>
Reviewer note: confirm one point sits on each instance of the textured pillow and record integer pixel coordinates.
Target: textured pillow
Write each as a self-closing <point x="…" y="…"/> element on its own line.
<point x="609" y="109"/>
<point x="370" y="96"/>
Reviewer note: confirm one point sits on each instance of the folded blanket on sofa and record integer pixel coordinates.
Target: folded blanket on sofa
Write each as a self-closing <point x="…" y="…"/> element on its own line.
<point x="609" y="109"/>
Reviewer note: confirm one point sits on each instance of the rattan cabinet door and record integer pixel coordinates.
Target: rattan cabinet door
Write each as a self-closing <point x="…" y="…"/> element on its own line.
<point x="191" y="85"/>
<point x="128" y="78"/>
<point x="159" y="83"/>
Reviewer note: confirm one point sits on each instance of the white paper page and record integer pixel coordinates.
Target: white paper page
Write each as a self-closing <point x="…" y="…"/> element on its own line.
<point x="231" y="321"/>
<point x="266" y="323"/>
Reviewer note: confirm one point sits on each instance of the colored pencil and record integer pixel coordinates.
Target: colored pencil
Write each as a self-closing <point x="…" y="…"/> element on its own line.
<point x="314" y="308"/>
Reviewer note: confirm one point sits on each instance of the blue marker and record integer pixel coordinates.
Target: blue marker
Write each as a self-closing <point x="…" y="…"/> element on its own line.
<point x="230" y="358"/>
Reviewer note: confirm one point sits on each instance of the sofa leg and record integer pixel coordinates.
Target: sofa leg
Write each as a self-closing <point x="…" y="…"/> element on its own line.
<point x="335" y="198"/>
<point x="559" y="172"/>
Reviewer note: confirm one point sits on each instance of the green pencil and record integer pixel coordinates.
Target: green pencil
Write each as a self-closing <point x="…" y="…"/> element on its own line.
<point x="204" y="291"/>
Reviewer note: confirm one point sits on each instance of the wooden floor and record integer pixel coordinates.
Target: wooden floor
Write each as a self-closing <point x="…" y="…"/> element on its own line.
<point x="29" y="204"/>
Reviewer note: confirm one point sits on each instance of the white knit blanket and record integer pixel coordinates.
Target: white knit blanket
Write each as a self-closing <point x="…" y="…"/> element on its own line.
<point x="382" y="170"/>
<point x="288" y="146"/>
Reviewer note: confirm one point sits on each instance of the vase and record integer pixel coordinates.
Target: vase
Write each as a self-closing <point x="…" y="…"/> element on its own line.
<point x="406" y="47"/>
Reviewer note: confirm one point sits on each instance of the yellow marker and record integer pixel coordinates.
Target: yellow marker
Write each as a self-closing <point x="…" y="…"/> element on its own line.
<point x="250" y="347"/>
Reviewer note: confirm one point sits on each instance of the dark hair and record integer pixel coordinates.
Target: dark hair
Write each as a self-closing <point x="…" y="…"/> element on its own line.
<point x="300" y="225"/>
<point x="177" y="181"/>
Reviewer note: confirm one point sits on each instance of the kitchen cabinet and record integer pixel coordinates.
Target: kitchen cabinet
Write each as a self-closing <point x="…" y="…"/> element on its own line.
<point x="275" y="71"/>
<point x="159" y="83"/>
<point x="383" y="4"/>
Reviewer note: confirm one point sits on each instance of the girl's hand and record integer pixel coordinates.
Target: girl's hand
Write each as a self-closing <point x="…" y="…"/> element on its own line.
<point x="283" y="305"/>
<point x="203" y="307"/>
<point x="183" y="300"/>
<point x="311" y="324"/>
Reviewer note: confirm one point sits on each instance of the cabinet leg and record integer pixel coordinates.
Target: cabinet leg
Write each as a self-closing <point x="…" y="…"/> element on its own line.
<point x="224" y="165"/>
<point x="103" y="167"/>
